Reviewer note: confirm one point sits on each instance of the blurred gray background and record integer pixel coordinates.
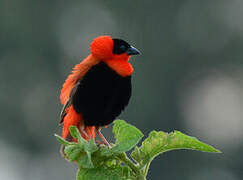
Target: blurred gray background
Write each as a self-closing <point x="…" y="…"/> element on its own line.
<point x="189" y="77"/>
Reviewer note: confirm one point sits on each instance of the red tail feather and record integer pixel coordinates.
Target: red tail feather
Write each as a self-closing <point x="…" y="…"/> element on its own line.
<point x="74" y="119"/>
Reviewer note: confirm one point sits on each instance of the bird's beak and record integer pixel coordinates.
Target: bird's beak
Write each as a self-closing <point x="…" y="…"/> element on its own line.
<point x="132" y="51"/>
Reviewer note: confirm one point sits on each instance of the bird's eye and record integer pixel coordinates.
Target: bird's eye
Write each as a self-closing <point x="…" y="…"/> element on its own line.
<point x="122" y="48"/>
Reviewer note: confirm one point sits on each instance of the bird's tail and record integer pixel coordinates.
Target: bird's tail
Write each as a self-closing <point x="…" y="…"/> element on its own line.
<point x="74" y="119"/>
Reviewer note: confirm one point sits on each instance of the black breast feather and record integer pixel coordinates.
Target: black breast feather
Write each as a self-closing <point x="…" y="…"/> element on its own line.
<point x="101" y="95"/>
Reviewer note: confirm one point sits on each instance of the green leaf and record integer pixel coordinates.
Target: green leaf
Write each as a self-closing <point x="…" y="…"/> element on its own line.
<point x="80" y="152"/>
<point x="103" y="163"/>
<point x="136" y="154"/>
<point x="76" y="134"/>
<point x="102" y="173"/>
<point x="104" y="151"/>
<point x="90" y="146"/>
<point x="178" y="140"/>
<point x="84" y="160"/>
<point x="127" y="136"/>
<point x="103" y="156"/>
<point x="72" y="152"/>
<point x="70" y="148"/>
<point x="160" y="142"/>
<point x="126" y="171"/>
<point x="74" y="155"/>
<point x="61" y="140"/>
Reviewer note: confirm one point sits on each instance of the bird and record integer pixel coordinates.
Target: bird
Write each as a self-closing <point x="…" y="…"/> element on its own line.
<point x="98" y="88"/>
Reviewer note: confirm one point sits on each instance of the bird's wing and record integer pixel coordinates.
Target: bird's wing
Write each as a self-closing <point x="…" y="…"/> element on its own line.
<point x="78" y="72"/>
<point x="70" y="85"/>
<point x="68" y="103"/>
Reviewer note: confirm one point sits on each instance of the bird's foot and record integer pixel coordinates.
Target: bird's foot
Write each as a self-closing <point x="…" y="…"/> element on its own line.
<point x="84" y="133"/>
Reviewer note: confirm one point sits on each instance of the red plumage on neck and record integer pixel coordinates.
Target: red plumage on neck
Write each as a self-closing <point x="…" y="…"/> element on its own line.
<point x="102" y="48"/>
<point x="120" y="64"/>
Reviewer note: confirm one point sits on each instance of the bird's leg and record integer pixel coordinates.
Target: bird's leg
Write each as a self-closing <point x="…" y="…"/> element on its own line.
<point x="98" y="129"/>
<point x="83" y="132"/>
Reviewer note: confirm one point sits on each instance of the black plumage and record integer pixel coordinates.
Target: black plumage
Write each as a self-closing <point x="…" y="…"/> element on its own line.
<point x="101" y="95"/>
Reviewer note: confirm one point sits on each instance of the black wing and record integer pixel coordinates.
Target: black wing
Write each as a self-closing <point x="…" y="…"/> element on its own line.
<point x="68" y="103"/>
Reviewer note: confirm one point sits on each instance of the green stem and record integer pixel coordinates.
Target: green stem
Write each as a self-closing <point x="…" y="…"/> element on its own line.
<point x="141" y="177"/>
<point x="127" y="161"/>
<point x="147" y="168"/>
<point x="135" y="169"/>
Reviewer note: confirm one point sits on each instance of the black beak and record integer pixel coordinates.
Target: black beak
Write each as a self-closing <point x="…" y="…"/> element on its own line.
<point x="132" y="51"/>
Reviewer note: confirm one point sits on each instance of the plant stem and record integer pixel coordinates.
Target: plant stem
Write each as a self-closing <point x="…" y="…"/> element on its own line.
<point x="135" y="169"/>
<point x="147" y="168"/>
<point x="127" y="161"/>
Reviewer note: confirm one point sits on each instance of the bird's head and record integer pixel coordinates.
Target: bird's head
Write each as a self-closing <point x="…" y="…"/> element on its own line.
<point x="105" y="48"/>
